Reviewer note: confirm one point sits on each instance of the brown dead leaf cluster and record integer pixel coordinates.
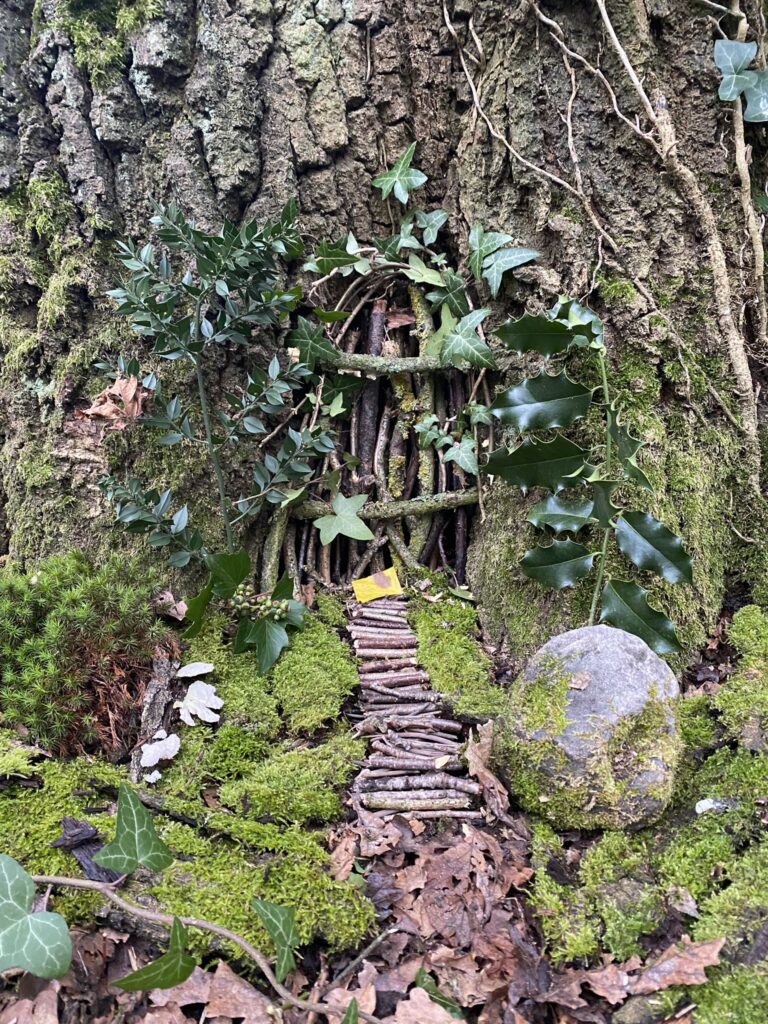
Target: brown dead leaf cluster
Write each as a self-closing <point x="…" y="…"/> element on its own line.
<point x="117" y="405"/>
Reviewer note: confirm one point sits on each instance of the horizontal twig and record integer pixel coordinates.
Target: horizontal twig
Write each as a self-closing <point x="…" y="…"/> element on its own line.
<point x="421" y="506"/>
<point x="383" y="366"/>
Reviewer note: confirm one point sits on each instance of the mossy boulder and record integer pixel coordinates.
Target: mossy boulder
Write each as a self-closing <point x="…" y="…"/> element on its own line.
<point x="589" y="736"/>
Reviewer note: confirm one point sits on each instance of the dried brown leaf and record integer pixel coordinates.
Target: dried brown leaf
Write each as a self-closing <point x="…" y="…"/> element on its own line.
<point x="196" y="989"/>
<point x="418" y="1008"/>
<point x="117" y="405"/>
<point x="233" y="997"/>
<point x="478" y="754"/>
<point x="681" y="964"/>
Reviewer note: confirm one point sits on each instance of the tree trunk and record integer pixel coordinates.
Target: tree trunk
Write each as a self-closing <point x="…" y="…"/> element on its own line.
<point x="232" y="108"/>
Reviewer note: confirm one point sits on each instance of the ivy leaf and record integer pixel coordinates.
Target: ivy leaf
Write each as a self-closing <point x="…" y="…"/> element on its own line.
<point x="34" y="942"/>
<point x="535" y="334"/>
<point x="402" y="178"/>
<point x="228" y="571"/>
<point x="280" y="924"/>
<point x="542" y="402"/>
<point x="498" y="263"/>
<point x="351" y="1016"/>
<point x="421" y="273"/>
<point x="267" y="637"/>
<point x="196" y="607"/>
<point x="345" y="520"/>
<point x="756" y="95"/>
<point x="732" y="58"/>
<point x="312" y="344"/>
<point x="560" y="565"/>
<point x="332" y="255"/>
<point x="481" y="244"/>
<point x="430" y="223"/>
<point x="136" y="842"/>
<point x="464" y="454"/>
<point x="169" y="970"/>
<point x="603" y="509"/>
<point x="464" y="346"/>
<point x="551" y="464"/>
<point x="453" y="293"/>
<point x="561" y="515"/>
<point x="648" y="544"/>
<point x="625" y="605"/>
<point x="448" y="321"/>
<point x="627" y="448"/>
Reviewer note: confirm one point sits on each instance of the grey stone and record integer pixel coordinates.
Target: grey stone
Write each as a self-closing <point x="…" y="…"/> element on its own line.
<point x="589" y="738"/>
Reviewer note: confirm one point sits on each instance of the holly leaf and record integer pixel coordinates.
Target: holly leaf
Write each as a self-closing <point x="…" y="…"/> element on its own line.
<point x="603" y="509"/>
<point x="312" y="344"/>
<point x="585" y="326"/>
<point x="463" y="346"/>
<point x="542" y="402"/>
<point x="481" y="244"/>
<point x="136" y="842"/>
<point x="560" y="565"/>
<point x="228" y="571"/>
<point x="169" y="970"/>
<point x="561" y="515"/>
<point x="35" y="942"/>
<point x="402" y="178"/>
<point x="498" y="263"/>
<point x="756" y="95"/>
<point x="552" y="464"/>
<point x="648" y="544"/>
<point x="345" y="520"/>
<point x="267" y="637"/>
<point x="535" y="334"/>
<point x="464" y="454"/>
<point x="627" y="448"/>
<point x="280" y="924"/>
<point x="625" y="605"/>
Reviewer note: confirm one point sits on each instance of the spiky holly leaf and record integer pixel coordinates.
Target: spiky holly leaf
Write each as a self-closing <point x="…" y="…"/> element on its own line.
<point x="312" y="344"/>
<point x="586" y="326"/>
<point x="345" y="520"/>
<point x="463" y="346"/>
<point x="625" y="605"/>
<point x="542" y="402"/>
<point x="650" y="545"/>
<point x="732" y="58"/>
<point x="402" y="178"/>
<point x="280" y="925"/>
<point x="560" y="565"/>
<point x="627" y="448"/>
<point x="552" y="464"/>
<point x="169" y="970"/>
<point x="603" y="509"/>
<point x="561" y="515"/>
<point x="535" y="334"/>
<point x="498" y="263"/>
<point x="37" y="942"/>
<point x="136" y="842"/>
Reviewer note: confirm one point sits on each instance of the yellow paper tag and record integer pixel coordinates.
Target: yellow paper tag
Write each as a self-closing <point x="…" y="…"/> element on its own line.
<point x="381" y="584"/>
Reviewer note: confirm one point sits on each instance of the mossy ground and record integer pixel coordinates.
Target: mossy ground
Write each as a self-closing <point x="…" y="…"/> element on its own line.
<point x="261" y="788"/>
<point x="615" y="896"/>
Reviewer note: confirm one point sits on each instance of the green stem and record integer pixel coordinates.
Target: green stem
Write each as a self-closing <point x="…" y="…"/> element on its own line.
<point x="608" y="460"/>
<point x="212" y="451"/>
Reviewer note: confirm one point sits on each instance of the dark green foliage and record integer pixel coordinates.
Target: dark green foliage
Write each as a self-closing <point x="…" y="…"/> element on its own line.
<point x="546" y="402"/>
<point x="75" y="644"/>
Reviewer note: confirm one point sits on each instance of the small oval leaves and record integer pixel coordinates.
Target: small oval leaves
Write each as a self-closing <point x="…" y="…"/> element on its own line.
<point x="552" y="464"/>
<point x="535" y="334"/>
<point x="560" y="565"/>
<point x="625" y="605"/>
<point x="650" y="545"/>
<point x="542" y="402"/>
<point x="561" y="515"/>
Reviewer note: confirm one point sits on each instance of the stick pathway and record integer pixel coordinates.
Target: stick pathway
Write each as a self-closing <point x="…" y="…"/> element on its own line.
<point x="413" y="764"/>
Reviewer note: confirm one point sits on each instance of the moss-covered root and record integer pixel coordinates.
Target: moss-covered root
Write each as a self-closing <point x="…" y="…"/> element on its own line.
<point x="743" y="700"/>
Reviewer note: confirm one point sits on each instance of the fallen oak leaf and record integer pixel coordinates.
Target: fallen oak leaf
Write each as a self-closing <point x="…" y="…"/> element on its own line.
<point x="233" y="997"/>
<point x="680" y="964"/>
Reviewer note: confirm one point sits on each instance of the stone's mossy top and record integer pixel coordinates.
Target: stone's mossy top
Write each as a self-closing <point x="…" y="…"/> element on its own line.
<point x="589" y="737"/>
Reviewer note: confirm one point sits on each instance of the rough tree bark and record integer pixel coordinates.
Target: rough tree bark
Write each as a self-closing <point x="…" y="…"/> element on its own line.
<point x="527" y="119"/>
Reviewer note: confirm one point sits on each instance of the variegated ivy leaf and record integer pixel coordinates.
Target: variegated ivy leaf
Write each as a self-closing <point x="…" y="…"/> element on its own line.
<point x="625" y="605"/>
<point x="37" y="942"/>
<point x="464" y="454"/>
<point x="543" y="402"/>
<point x="280" y="924"/>
<point x="498" y="263"/>
<point x="463" y="346"/>
<point x="756" y="95"/>
<point x="136" y="842"/>
<point x="430" y="223"/>
<point x="481" y="244"/>
<point x="732" y="58"/>
<point x="312" y="344"/>
<point x="650" y="545"/>
<point x="552" y="464"/>
<point x="560" y="565"/>
<point x="422" y="274"/>
<point x="402" y="178"/>
<point x="168" y="971"/>
<point x="345" y="520"/>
